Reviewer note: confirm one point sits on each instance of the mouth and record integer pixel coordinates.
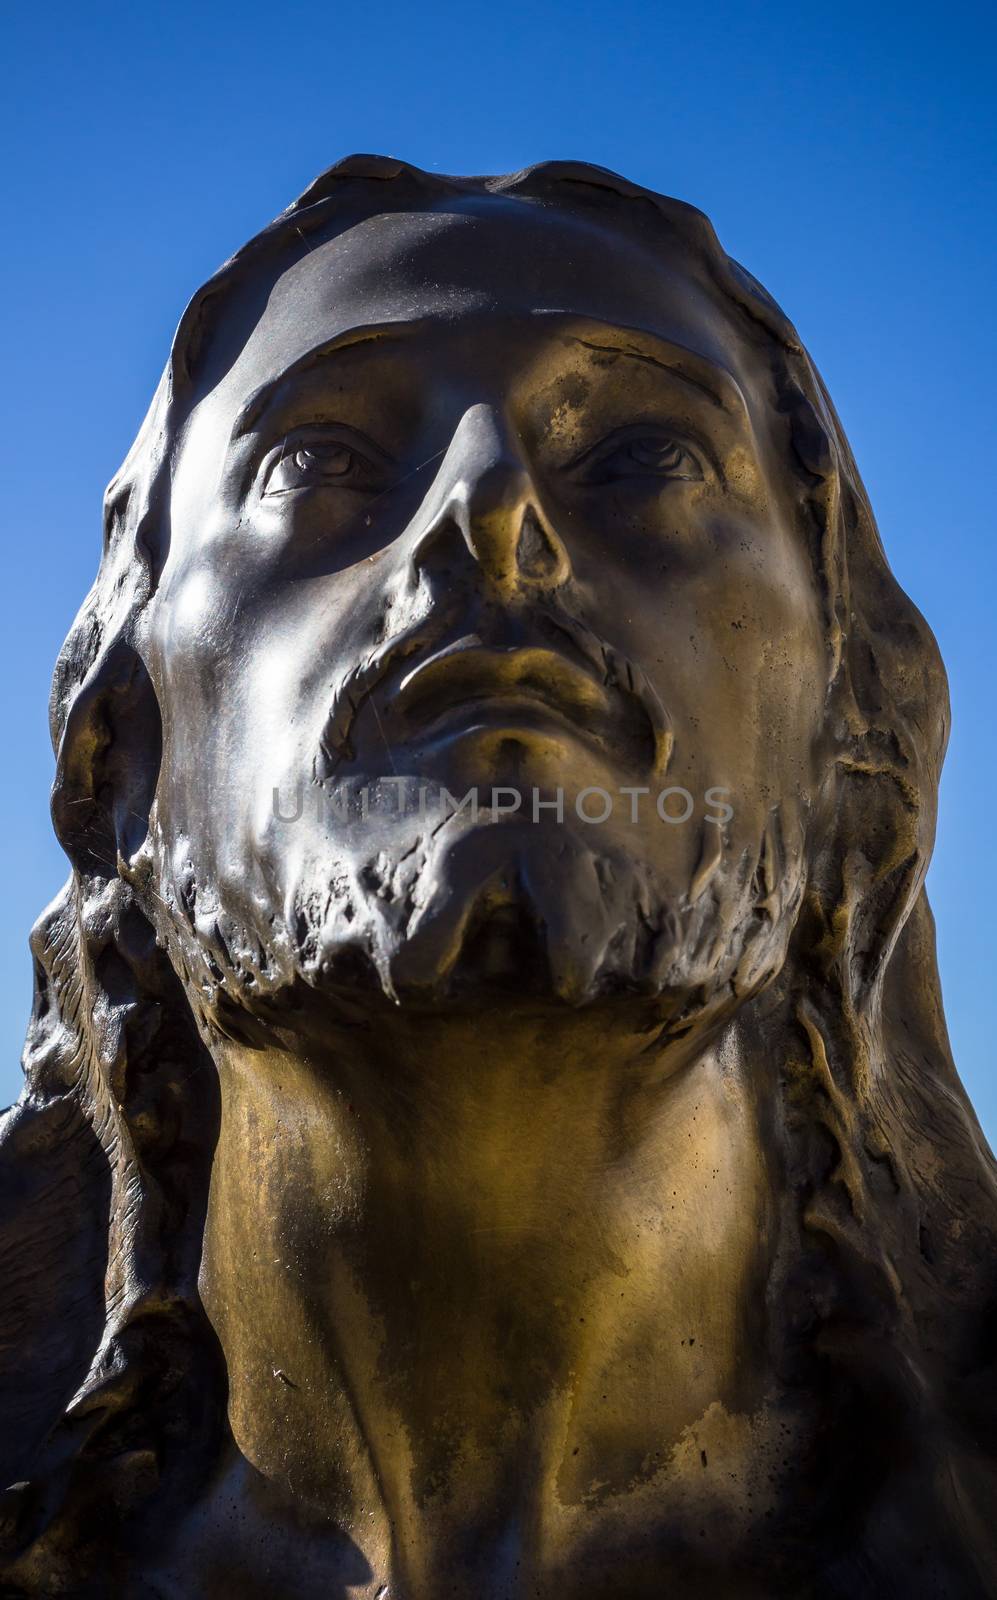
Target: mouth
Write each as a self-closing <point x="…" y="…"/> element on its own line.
<point x="470" y="685"/>
<point x="592" y="695"/>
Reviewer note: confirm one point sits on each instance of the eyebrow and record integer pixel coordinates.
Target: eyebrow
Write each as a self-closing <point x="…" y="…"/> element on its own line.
<point x="251" y="411"/>
<point x="709" y="378"/>
<point x="635" y="344"/>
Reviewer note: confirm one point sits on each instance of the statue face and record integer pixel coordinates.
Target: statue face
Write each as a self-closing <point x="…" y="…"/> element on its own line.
<point x="485" y="497"/>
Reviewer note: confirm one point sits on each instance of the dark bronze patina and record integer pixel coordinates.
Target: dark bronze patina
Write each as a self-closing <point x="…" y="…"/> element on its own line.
<point x="412" y="1201"/>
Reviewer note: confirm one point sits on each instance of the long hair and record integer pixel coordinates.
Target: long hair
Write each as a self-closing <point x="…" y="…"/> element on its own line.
<point x="883" y="1285"/>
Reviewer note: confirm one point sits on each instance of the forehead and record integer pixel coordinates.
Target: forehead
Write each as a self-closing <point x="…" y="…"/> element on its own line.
<point x="461" y="264"/>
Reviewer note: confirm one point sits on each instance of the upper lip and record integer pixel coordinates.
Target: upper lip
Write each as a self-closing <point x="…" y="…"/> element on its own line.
<point x="468" y="671"/>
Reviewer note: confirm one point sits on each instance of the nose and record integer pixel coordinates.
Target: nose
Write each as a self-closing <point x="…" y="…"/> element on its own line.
<point x="484" y="498"/>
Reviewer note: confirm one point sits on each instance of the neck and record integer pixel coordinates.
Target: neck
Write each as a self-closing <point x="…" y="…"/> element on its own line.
<point x="481" y="1261"/>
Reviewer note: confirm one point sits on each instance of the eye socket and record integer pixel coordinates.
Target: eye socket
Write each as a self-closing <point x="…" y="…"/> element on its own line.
<point x="640" y="454"/>
<point x="317" y="461"/>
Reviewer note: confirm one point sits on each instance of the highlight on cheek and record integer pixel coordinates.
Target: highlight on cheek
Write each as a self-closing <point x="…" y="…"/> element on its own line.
<point x="192" y="600"/>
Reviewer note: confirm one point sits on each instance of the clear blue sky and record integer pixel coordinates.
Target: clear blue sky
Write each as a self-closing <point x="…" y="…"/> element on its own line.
<point x="846" y="154"/>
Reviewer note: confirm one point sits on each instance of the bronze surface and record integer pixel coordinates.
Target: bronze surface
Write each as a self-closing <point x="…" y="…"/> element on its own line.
<point x="418" y="1193"/>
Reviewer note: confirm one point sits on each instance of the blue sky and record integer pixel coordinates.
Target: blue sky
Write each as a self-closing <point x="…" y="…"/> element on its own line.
<point x="846" y="154"/>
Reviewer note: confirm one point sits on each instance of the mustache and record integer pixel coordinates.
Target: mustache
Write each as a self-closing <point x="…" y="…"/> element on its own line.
<point x="548" y="630"/>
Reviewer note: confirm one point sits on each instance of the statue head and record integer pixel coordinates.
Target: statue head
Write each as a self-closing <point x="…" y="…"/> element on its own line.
<point x="489" y="606"/>
<point x="454" y="508"/>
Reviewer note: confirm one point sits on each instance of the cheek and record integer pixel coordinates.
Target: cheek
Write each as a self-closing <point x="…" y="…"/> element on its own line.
<point x="730" y="631"/>
<point x="216" y="662"/>
<point x="247" y="661"/>
<point x="756" y="612"/>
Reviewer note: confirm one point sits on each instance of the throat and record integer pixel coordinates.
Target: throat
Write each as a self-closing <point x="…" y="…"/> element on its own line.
<point x="456" y="1265"/>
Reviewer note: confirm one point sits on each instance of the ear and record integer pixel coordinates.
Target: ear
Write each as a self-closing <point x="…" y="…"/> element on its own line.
<point x="108" y="763"/>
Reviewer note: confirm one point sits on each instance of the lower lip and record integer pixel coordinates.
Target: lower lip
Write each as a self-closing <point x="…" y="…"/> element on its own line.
<point x="502" y="711"/>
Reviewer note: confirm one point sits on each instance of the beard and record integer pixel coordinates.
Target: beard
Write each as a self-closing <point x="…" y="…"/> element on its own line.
<point x="361" y="905"/>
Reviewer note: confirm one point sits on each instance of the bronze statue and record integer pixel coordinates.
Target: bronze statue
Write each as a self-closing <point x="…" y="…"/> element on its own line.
<point x="489" y="1126"/>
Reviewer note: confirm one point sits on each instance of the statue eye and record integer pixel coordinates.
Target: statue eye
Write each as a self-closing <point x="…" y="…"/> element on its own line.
<point x="660" y="455"/>
<point x="641" y="455"/>
<point x="314" y="463"/>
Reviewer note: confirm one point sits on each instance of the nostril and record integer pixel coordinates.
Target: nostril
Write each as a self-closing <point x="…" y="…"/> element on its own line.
<point x="439" y="550"/>
<point x="536" y="554"/>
